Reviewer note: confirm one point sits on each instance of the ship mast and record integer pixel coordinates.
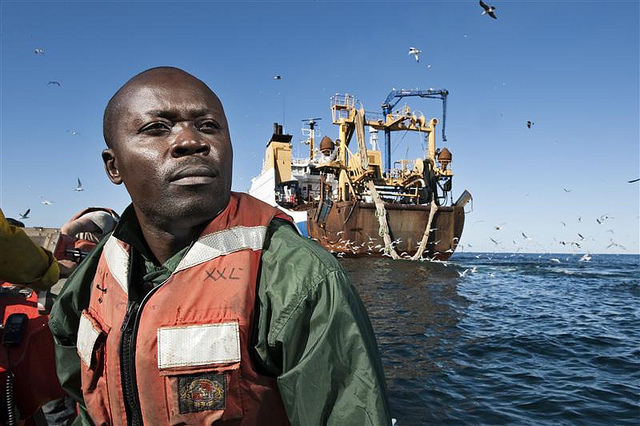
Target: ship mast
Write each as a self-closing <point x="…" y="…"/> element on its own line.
<point x="312" y="135"/>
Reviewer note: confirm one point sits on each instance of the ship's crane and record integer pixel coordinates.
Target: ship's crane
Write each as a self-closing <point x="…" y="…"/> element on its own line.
<point x="392" y="100"/>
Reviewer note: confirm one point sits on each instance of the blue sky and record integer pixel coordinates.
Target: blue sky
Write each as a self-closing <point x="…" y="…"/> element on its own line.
<point x="570" y="67"/>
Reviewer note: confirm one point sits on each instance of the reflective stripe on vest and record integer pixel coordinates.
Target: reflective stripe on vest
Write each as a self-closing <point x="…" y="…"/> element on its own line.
<point x="222" y="243"/>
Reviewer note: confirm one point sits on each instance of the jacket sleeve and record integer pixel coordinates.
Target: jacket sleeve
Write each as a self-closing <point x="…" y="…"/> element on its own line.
<point x="22" y="261"/>
<point x="319" y="340"/>
<point x="64" y="321"/>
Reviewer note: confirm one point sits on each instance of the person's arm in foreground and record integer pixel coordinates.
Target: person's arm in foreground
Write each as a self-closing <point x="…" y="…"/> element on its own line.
<point x="64" y="321"/>
<point x="22" y="261"/>
<point x="319" y="341"/>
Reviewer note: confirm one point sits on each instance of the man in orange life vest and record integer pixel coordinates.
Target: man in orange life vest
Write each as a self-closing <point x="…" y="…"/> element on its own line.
<point x="205" y="305"/>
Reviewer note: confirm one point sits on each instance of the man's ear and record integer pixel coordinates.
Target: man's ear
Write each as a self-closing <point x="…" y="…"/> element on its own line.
<point x="111" y="166"/>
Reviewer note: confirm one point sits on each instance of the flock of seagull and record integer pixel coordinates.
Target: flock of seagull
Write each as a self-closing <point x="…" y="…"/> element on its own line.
<point x="577" y="243"/>
<point x="46" y="202"/>
<point x="488" y="10"/>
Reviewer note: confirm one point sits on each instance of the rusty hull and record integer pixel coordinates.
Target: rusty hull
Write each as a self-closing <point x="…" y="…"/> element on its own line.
<point x="352" y="228"/>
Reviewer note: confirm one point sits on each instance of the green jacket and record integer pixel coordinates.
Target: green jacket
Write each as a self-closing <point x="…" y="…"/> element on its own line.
<point x="313" y="332"/>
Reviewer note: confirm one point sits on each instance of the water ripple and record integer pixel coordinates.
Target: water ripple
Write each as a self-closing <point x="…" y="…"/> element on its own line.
<point x="507" y="339"/>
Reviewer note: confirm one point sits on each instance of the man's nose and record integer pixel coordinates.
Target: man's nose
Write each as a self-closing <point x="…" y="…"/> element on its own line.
<point x="189" y="142"/>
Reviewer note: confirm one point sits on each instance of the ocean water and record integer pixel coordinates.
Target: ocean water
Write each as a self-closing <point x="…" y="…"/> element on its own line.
<point x="517" y="339"/>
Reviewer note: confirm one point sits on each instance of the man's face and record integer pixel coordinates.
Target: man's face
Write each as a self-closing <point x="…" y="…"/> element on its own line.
<point x="171" y="148"/>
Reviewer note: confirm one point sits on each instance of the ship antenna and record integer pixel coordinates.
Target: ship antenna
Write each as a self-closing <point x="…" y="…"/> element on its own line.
<point x="312" y="125"/>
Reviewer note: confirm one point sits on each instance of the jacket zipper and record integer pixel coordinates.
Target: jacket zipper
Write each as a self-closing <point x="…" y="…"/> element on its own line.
<point x="128" y="376"/>
<point x="128" y="367"/>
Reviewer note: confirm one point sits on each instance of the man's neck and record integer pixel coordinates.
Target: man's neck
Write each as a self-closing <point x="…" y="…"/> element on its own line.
<point x="165" y="241"/>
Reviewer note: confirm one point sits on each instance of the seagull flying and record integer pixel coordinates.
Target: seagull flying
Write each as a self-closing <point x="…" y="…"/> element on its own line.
<point x="46" y="202"/>
<point x="277" y="77"/>
<point x="615" y="245"/>
<point x="53" y="82"/>
<point x="633" y="180"/>
<point x="79" y="187"/>
<point x="24" y="215"/>
<point x="530" y="123"/>
<point x="488" y="10"/>
<point x="415" y="52"/>
<point x="38" y="51"/>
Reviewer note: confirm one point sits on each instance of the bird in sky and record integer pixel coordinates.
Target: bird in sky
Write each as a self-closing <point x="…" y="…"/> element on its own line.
<point x="415" y="52"/>
<point x="580" y="235"/>
<point x="530" y="123"/>
<point x="73" y="132"/>
<point x="54" y="83"/>
<point x="488" y="10"/>
<point x="24" y="215"/>
<point x="566" y="190"/>
<point x="494" y="241"/>
<point x="45" y="202"/>
<point x="277" y="77"/>
<point x="79" y="187"/>
<point x="525" y="236"/>
<point x="633" y="180"/>
<point x="615" y="245"/>
<point x="38" y="51"/>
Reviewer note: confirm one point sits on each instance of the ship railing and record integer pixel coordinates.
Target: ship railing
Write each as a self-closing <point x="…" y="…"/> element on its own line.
<point x="343" y="101"/>
<point x="341" y="105"/>
<point x="396" y="195"/>
<point x="374" y="116"/>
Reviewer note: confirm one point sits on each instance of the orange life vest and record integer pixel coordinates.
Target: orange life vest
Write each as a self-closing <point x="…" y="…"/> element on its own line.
<point x="32" y="361"/>
<point x="192" y="334"/>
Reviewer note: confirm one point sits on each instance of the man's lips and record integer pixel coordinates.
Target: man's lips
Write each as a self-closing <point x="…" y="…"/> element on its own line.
<point x="193" y="175"/>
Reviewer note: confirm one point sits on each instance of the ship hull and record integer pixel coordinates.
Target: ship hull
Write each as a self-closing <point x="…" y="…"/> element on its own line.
<point x="352" y="228"/>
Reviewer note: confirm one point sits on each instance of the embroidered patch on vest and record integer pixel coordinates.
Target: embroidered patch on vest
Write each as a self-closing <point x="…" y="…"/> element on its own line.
<point x="202" y="392"/>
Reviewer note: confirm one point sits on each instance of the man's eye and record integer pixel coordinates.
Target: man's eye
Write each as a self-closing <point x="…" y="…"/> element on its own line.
<point x="208" y="125"/>
<point x="155" y="128"/>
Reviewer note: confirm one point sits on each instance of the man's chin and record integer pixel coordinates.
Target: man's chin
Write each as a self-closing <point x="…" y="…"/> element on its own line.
<point x="187" y="211"/>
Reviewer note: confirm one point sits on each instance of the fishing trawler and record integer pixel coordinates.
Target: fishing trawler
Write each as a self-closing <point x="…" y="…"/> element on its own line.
<point x="354" y="205"/>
